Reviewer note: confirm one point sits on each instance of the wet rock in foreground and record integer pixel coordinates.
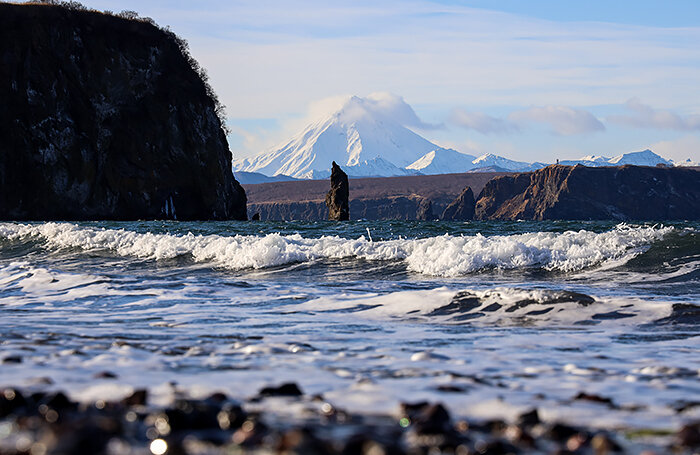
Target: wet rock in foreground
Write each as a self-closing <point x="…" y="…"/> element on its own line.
<point x="51" y="423"/>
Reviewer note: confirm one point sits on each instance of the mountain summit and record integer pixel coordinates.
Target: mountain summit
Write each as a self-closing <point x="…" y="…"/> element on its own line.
<point x="366" y="136"/>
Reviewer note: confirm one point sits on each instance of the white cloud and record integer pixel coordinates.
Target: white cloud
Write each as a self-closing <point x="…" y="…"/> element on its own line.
<point x="680" y="149"/>
<point x="644" y="116"/>
<point x="562" y="120"/>
<point x="485" y="124"/>
<point x="396" y="108"/>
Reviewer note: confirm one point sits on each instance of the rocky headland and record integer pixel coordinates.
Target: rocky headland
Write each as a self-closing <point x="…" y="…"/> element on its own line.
<point x="561" y="192"/>
<point x="106" y="117"/>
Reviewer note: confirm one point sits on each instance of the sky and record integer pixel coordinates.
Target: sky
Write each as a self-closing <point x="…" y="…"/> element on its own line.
<point x="535" y="80"/>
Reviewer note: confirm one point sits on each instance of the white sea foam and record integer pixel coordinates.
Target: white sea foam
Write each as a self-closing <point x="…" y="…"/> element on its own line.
<point x="438" y="256"/>
<point x="496" y="307"/>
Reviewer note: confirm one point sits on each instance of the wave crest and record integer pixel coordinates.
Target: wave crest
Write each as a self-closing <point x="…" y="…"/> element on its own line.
<point x="438" y="256"/>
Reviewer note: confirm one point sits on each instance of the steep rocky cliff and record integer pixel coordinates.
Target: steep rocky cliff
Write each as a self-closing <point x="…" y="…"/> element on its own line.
<point x="387" y="208"/>
<point x="585" y="193"/>
<point x="461" y="208"/>
<point x="498" y="191"/>
<point x="338" y="198"/>
<point x="104" y="117"/>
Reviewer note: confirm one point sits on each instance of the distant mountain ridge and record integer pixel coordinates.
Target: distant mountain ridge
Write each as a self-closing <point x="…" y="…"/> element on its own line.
<point x="367" y="141"/>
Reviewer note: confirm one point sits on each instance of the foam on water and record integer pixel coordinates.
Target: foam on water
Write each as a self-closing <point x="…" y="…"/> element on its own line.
<point x="497" y="307"/>
<point x="84" y="300"/>
<point x="436" y="256"/>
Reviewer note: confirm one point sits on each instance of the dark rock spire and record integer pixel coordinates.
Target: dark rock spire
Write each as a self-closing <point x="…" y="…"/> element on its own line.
<point x="337" y="199"/>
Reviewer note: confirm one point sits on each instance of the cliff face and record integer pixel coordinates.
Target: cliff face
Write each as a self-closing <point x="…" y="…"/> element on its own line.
<point x="389" y="208"/>
<point x="498" y="191"/>
<point x="585" y="193"/>
<point x="105" y="118"/>
<point x="461" y="208"/>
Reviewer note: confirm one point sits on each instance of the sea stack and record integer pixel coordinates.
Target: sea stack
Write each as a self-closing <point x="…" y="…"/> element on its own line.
<point x="337" y="199"/>
<point x="461" y="208"/>
<point x="107" y="118"/>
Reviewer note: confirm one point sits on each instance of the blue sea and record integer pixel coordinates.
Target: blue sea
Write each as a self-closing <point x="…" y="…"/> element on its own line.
<point x="490" y="318"/>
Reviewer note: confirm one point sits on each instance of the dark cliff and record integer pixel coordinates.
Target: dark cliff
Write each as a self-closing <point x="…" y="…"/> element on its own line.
<point x="461" y="208"/>
<point x="337" y="199"/>
<point x="372" y="198"/>
<point x="106" y="118"/>
<point x="586" y="193"/>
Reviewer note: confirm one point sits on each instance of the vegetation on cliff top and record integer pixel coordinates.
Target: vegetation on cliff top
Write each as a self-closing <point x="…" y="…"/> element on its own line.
<point x="182" y="44"/>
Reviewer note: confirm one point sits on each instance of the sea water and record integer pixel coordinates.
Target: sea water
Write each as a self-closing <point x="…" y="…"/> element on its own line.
<point x="490" y="318"/>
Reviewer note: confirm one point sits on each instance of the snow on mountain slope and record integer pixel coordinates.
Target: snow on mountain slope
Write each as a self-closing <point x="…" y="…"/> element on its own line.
<point x="443" y="161"/>
<point x="359" y="134"/>
<point x="376" y="167"/>
<point x="686" y="163"/>
<point x="491" y="160"/>
<point x="643" y="158"/>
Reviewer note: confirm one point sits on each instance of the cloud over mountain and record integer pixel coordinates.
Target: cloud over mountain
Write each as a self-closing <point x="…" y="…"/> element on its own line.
<point x="562" y="120"/>
<point x="484" y="124"/>
<point x="644" y="116"/>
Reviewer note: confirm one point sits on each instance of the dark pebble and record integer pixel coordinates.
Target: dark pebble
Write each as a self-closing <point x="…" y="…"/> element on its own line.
<point x="367" y="444"/>
<point x="59" y="402"/>
<point x="583" y="396"/>
<point x="12" y="359"/>
<point x="289" y="389"/>
<point x="105" y="375"/>
<point x="451" y="388"/>
<point x="137" y="398"/>
<point x="496" y="447"/>
<point x="250" y="434"/>
<point x="561" y="432"/>
<point x="689" y="436"/>
<point x="11" y="400"/>
<point x="432" y="419"/>
<point x="301" y="441"/>
<point x="529" y="418"/>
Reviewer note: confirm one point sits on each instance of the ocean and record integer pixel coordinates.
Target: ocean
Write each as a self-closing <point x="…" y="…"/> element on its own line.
<point x="591" y="323"/>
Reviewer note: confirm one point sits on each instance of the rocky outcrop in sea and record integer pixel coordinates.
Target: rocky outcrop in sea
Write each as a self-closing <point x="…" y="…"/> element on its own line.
<point x="337" y="199"/>
<point x="587" y="193"/>
<point x="106" y="117"/>
<point x="461" y="208"/>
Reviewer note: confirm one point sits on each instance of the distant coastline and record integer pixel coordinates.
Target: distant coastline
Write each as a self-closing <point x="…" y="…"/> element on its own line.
<point x="384" y="198"/>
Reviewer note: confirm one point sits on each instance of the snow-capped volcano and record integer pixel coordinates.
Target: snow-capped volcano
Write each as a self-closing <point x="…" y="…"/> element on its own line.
<point x="363" y="136"/>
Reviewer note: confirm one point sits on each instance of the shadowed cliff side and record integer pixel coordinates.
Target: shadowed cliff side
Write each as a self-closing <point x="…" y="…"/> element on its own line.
<point x="104" y="117"/>
<point x="337" y="199"/>
<point x="587" y="193"/>
<point x="461" y="208"/>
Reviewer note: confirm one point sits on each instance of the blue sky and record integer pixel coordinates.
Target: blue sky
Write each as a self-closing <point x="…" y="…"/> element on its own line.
<point x="530" y="80"/>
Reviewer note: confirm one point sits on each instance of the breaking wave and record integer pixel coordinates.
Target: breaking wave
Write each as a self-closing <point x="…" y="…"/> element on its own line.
<point x="445" y="255"/>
